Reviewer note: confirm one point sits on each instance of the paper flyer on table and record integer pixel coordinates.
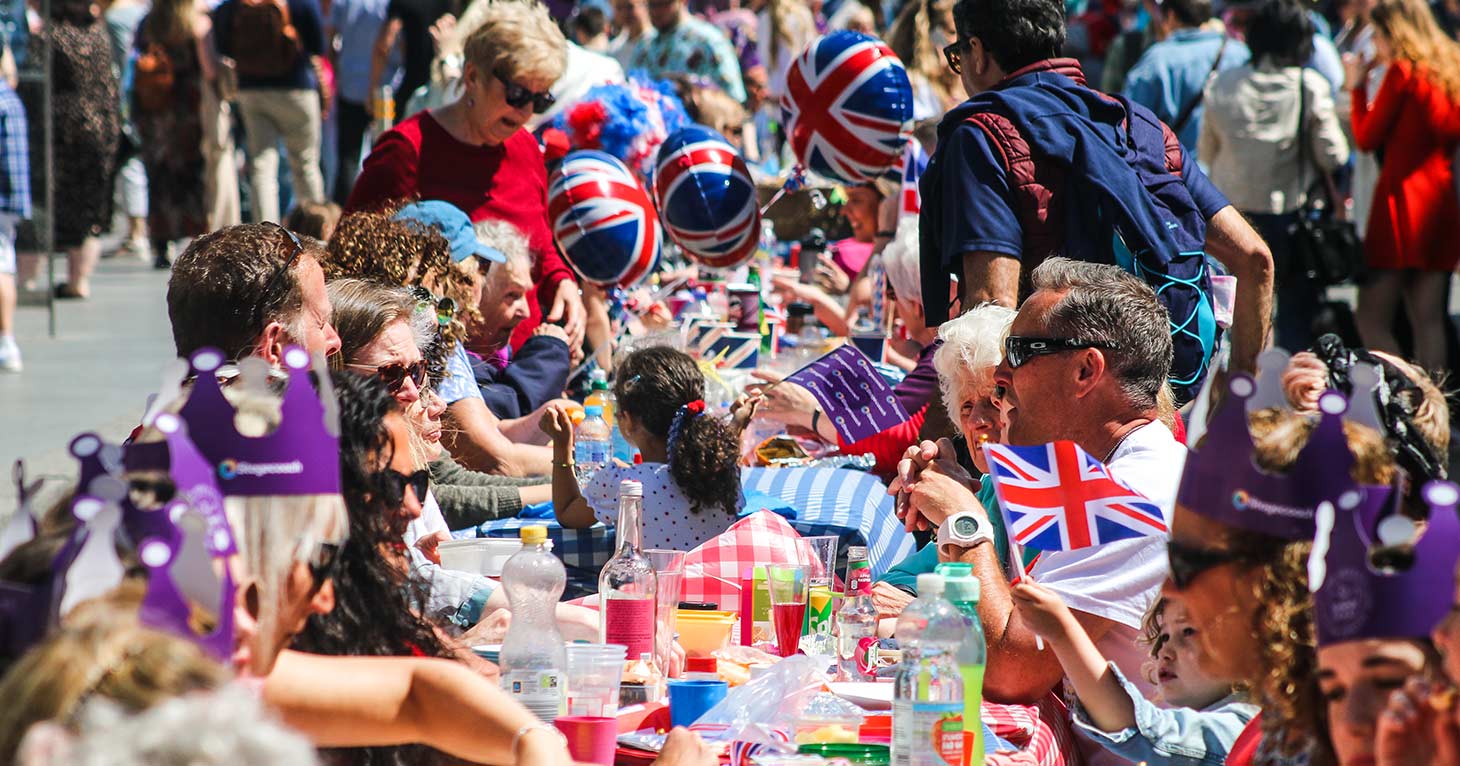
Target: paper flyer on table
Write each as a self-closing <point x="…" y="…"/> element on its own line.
<point x="852" y="393"/>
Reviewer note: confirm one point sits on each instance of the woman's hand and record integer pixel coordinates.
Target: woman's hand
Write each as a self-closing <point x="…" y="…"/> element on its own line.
<point x="788" y="403"/>
<point x="430" y="545"/>
<point x="1042" y="610"/>
<point x="1356" y="70"/>
<point x="1418" y="727"/>
<point x="490" y="629"/>
<point x="568" y="310"/>
<point x="685" y="748"/>
<point x="831" y="277"/>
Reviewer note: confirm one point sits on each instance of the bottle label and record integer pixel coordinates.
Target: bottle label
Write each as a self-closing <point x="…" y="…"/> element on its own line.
<point x="927" y="733"/>
<point x="591" y="452"/>
<point x="859" y="579"/>
<point x="540" y="691"/>
<point x="630" y="622"/>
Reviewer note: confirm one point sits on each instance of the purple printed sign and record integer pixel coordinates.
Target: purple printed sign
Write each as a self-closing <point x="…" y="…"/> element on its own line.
<point x="852" y="393"/>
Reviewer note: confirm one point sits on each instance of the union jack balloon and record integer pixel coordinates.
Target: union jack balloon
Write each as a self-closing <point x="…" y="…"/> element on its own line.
<point x="707" y="198"/>
<point x="603" y="219"/>
<point x="848" y="107"/>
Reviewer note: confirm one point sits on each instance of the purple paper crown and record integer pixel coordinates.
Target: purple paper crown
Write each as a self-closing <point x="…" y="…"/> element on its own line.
<point x="193" y="477"/>
<point x="180" y="566"/>
<point x="1355" y="599"/>
<point x="300" y="457"/>
<point x="1222" y="482"/>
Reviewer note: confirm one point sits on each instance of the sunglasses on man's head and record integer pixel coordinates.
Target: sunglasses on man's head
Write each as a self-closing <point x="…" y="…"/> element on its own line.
<point x="953" y="54"/>
<point x="396" y="483"/>
<point x="518" y="96"/>
<point x="273" y="283"/>
<point x="1188" y="563"/>
<point x="394" y="375"/>
<point x="1019" y="349"/>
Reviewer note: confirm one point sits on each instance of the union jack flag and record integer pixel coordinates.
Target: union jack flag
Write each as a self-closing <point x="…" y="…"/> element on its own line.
<point x="1055" y="497"/>
<point x="914" y="161"/>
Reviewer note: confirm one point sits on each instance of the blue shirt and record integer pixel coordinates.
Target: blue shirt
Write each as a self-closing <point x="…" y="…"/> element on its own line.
<point x="1171" y="736"/>
<point x="1174" y="71"/>
<point x="357" y="22"/>
<point x="14" y="154"/>
<point x="1325" y="59"/>
<point x="304" y="15"/>
<point x="459" y="382"/>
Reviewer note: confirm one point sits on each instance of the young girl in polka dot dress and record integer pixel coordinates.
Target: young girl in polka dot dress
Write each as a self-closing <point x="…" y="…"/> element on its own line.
<point x="690" y="477"/>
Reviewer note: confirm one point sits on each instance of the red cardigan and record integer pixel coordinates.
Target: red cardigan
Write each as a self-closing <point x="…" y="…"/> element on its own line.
<point x="418" y="158"/>
<point x="1415" y="219"/>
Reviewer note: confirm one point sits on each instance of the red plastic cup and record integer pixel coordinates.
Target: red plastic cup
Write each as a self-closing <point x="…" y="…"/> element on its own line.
<point x="590" y="739"/>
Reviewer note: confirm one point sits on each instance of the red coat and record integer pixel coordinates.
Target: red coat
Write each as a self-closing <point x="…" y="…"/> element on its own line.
<point x="1415" y="219"/>
<point x="418" y="158"/>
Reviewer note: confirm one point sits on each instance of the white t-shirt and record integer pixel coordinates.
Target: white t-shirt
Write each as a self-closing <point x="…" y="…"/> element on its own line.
<point x="1120" y="580"/>
<point x="667" y="521"/>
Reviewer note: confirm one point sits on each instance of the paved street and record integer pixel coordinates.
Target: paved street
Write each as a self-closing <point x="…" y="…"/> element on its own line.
<point x="95" y="374"/>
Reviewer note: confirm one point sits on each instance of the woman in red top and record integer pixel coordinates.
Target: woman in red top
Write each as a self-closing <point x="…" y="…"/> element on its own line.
<point x="476" y="154"/>
<point x="1414" y="224"/>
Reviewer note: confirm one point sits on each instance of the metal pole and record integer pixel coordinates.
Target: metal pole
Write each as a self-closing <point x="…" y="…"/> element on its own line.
<point x="47" y="231"/>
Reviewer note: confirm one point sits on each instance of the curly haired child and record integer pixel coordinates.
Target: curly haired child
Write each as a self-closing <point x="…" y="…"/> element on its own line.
<point x="691" y="481"/>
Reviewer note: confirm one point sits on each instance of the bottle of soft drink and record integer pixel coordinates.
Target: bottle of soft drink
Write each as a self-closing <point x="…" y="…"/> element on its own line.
<point x="627" y="585"/>
<point x="962" y="589"/>
<point x="856" y="619"/>
<point x="592" y="443"/>
<point x="602" y="395"/>
<point x="533" y="661"/>
<point x="927" y="707"/>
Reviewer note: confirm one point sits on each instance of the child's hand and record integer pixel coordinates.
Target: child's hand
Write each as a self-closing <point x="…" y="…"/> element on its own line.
<point x="1042" y="610"/>
<point x="557" y="424"/>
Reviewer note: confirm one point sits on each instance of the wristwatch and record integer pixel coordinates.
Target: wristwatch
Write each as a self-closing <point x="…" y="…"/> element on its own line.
<point x="964" y="529"/>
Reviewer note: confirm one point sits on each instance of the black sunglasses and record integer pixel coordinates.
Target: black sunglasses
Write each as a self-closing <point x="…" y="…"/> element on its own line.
<point x="445" y="308"/>
<point x="518" y="96"/>
<point x="1019" y="349"/>
<point x="322" y="567"/>
<point x="396" y="483"/>
<point x="394" y="375"/>
<point x="1188" y="563"/>
<point x="273" y="283"/>
<point x="953" y="54"/>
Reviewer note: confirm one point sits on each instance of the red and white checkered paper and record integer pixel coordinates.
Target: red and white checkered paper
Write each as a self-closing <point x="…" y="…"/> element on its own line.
<point x="1041" y="732"/>
<point x="712" y="571"/>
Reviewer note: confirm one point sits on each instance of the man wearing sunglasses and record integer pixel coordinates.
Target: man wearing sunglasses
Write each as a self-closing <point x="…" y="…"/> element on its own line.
<point x="251" y="290"/>
<point x="1085" y="360"/>
<point x="998" y="195"/>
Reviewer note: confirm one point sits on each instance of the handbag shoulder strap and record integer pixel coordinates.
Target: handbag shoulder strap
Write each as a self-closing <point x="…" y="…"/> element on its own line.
<point x="1184" y="116"/>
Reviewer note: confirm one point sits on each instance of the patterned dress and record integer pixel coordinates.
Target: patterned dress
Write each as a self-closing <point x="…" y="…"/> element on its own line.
<point x="88" y="129"/>
<point x="172" y="146"/>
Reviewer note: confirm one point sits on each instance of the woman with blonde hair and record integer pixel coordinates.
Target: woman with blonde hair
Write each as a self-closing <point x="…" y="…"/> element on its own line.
<point x="477" y="154"/>
<point x="918" y="35"/>
<point x="1415" y="218"/>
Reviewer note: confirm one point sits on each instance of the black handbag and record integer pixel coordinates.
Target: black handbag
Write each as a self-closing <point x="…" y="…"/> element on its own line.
<point x="1327" y="249"/>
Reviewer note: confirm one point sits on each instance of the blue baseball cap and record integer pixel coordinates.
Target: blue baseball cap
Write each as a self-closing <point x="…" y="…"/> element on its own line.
<point x="452" y="224"/>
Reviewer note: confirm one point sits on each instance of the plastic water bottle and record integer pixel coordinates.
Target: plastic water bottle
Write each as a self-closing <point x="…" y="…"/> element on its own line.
<point x="592" y="444"/>
<point x="962" y="589"/>
<point x="533" y="661"/>
<point x="927" y="707"/>
<point x="602" y="396"/>
<point x="856" y="620"/>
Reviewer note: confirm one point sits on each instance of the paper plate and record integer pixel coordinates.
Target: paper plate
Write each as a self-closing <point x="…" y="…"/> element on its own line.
<point x="868" y="695"/>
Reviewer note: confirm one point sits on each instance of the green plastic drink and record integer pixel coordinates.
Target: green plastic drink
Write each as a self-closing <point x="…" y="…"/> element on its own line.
<point x="962" y="588"/>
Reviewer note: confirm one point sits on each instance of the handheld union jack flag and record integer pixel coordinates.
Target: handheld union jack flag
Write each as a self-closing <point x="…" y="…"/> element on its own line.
<point x="908" y="170"/>
<point x="1055" y="497"/>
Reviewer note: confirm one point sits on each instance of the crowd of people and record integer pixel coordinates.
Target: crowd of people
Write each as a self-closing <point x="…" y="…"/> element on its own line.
<point x="393" y="353"/>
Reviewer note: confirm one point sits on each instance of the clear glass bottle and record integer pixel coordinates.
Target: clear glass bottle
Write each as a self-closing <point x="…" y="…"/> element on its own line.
<point x="533" y="661"/>
<point x="856" y="619"/>
<point x="927" y="706"/>
<point x="627" y="584"/>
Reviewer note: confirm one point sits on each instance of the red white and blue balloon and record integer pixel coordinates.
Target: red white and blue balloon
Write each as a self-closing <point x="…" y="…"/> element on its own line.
<point x="603" y="219"/>
<point x="848" y="107"/>
<point x="707" y="198"/>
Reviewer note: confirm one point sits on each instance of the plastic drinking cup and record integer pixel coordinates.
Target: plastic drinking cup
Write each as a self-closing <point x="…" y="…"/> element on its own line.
<point x="595" y="672"/>
<point x="689" y="700"/>
<point x="669" y="575"/>
<point x="591" y="739"/>
<point x="788" y="591"/>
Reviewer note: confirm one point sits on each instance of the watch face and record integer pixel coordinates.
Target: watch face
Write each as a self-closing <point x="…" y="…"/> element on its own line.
<point x="965" y="526"/>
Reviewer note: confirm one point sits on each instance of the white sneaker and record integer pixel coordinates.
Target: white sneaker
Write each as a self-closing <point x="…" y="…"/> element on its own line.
<point x="10" y="356"/>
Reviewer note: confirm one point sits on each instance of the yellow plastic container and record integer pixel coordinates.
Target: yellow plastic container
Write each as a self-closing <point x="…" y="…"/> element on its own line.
<point x="702" y="632"/>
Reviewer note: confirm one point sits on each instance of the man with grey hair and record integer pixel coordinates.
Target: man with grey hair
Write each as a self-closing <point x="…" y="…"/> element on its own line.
<point x="1085" y="360"/>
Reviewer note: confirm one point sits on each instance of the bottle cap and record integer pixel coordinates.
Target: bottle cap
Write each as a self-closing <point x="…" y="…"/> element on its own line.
<point x="930" y="585"/>
<point x="959" y="583"/>
<point x="599" y="379"/>
<point x="593" y="411"/>
<point x="701" y="665"/>
<point x="533" y="535"/>
<point x="630" y="488"/>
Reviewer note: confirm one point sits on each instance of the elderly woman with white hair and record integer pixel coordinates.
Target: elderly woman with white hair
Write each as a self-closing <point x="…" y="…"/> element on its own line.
<point x="477" y="154"/>
<point x="794" y="406"/>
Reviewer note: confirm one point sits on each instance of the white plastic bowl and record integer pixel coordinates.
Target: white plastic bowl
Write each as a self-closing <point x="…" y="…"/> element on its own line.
<point x="479" y="555"/>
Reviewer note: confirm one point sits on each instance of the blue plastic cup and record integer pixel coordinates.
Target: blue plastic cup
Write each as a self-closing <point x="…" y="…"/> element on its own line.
<point x="688" y="700"/>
